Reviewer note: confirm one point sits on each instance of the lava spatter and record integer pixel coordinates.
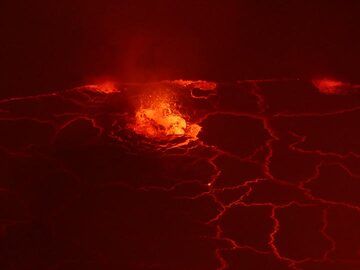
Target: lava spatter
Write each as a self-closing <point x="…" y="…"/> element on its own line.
<point x="158" y="118"/>
<point x="182" y="175"/>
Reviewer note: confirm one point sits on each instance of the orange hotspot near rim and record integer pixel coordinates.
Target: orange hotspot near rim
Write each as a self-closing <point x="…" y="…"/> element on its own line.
<point x="158" y="117"/>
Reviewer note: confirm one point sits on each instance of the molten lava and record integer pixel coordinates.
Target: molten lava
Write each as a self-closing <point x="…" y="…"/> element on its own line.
<point x="269" y="183"/>
<point x="156" y="122"/>
<point x="160" y="119"/>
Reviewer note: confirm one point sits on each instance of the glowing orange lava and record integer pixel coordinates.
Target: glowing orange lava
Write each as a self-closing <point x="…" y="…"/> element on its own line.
<point x="159" y="119"/>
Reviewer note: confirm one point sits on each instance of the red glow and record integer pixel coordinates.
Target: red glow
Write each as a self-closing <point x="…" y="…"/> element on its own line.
<point x="329" y="86"/>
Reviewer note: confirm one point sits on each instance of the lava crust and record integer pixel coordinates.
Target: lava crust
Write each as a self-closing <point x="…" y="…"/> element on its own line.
<point x="182" y="175"/>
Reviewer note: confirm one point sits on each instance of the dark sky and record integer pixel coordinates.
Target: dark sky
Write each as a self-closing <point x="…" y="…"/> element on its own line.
<point x="50" y="45"/>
